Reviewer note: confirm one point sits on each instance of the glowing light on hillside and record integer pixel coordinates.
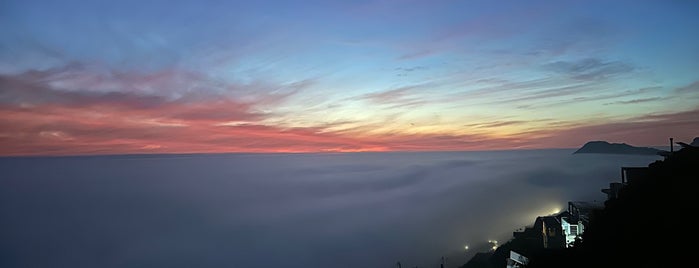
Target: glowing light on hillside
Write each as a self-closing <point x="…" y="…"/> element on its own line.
<point x="494" y="244"/>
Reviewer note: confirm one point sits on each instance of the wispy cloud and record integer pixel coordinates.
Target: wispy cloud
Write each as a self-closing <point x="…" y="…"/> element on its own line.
<point x="402" y="97"/>
<point x="691" y="88"/>
<point x="376" y="75"/>
<point x="634" y="101"/>
<point x="497" y="124"/>
<point x="590" y="68"/>
<point x="405" y="71"/>
<point x="650" y="129"/>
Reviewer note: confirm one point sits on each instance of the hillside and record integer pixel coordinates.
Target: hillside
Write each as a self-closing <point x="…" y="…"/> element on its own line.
<point x="642" y="227"/>
<point x="603" y="147"/>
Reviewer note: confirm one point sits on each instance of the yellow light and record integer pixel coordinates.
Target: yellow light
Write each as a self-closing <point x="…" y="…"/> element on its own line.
<point x="466" y="247"/>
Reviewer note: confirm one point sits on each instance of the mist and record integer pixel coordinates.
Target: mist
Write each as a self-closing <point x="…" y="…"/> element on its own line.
<point x="290" y="210"/>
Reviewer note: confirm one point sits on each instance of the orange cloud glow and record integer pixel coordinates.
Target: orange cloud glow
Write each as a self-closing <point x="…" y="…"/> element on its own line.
<point x="186" y="128"/>
<point x="41" y="117"/>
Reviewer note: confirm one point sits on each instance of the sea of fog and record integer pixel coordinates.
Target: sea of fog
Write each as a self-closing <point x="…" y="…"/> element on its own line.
<point x="283" y="210"/>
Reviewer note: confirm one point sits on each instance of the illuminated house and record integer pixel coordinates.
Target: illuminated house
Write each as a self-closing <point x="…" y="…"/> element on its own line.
<point x="560" y="230"/>
<point x="574" y="220"/>
<point x="572" y="229"/>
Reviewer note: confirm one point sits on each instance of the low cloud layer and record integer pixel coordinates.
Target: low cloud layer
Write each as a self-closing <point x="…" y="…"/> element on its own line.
<point x="268" y="210"/>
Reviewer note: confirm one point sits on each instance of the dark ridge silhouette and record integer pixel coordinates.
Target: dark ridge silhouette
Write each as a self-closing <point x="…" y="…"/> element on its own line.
<point x="645" y="223"/>
<point x="603" y="147"/>
<point x="695" y="143"/>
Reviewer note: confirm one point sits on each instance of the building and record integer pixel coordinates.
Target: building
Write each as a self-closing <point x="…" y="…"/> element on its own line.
<point x="628" y="175"/>
<point x="549" y="228"/>
<point x="517" y="260"/>
<point x="571" y="229"/>
<point x="574" y="220"/>
<point x="613" y="190"/>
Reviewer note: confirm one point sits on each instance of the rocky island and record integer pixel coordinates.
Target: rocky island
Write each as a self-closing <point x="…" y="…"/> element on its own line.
<point x="603" y="147"/>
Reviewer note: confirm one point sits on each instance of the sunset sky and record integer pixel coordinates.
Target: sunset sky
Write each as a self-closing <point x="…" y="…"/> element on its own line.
<point x="111" y="77"/>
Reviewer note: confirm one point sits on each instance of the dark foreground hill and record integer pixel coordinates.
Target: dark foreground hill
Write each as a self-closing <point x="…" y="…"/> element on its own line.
<point x="603" y="147"/>
<point x="649" y="224"/>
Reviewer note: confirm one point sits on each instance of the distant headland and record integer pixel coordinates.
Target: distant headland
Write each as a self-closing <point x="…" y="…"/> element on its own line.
<point x="603" y="147"/>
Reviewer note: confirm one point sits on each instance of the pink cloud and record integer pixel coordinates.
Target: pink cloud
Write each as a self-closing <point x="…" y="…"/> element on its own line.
<point x="38" y="119"/>
<point x="651" y="129"/>
<point x="65" y="131"/>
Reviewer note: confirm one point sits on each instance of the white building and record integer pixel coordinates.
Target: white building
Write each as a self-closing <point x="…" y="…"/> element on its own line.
<point x="516" y="260"/>
<point x="573" y="221"/>
<point x="571" y="230"/>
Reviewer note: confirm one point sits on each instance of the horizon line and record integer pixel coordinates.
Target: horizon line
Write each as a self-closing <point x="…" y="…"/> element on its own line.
<point x="288" y="152"/>
<point x="269" y="153"/>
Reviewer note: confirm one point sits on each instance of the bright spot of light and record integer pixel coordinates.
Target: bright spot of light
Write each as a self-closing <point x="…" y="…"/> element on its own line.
<point x="555" y="210"/>
<point x="494" y="244"/>
<point x="465" y="247"/>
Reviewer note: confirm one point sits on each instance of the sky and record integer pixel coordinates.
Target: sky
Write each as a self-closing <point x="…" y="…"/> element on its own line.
<point x="113" y="77"/>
